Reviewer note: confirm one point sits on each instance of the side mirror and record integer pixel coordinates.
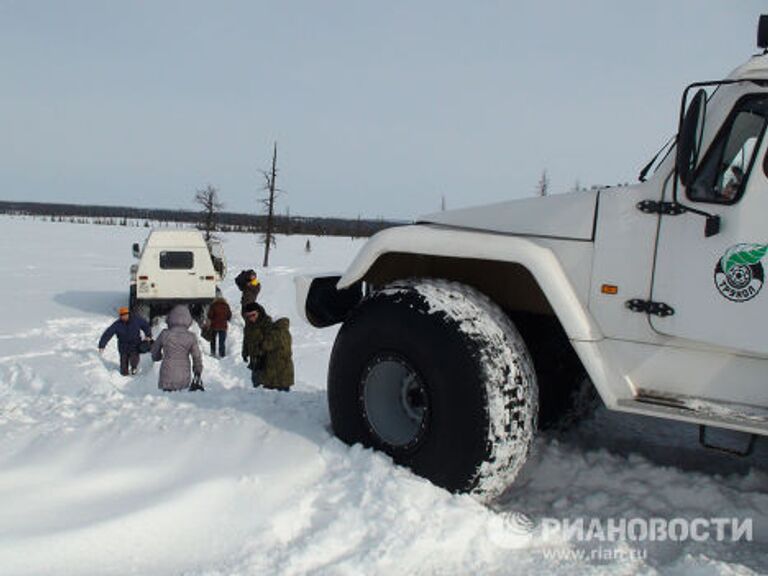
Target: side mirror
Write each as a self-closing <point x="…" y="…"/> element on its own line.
<point x="689" y="137"/>
<point x="136" y="250"/>
<point x="762" y="32"/>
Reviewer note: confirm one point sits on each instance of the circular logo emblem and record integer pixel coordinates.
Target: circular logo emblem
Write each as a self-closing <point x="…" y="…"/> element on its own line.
<point x="739" y="274"/>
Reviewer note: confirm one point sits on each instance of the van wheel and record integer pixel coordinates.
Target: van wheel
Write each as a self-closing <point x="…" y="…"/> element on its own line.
<point x="132" y="297"/>
<point x="436" y="375"/>
<point x="144" y="310"/>
<point x="139" y="306"/>
<point x="199" y="313"/>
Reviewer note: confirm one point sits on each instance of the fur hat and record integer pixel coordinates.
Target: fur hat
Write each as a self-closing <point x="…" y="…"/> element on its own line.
<point x="253" y="307"/>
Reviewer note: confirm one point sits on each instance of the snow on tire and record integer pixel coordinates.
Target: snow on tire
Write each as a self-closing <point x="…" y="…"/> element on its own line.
<point x="436" y="375"/>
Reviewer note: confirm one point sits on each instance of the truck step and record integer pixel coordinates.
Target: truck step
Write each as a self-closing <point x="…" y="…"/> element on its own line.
<point x="705" y="412"/>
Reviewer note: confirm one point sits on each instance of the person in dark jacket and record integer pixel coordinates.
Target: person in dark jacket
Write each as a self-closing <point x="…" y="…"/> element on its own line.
<point x="219" y="315"/>
<point x="128" y="330"/>
<point x="250" y="286"/>
<point x="267" y="349"/>
<point x="175" y="345"/>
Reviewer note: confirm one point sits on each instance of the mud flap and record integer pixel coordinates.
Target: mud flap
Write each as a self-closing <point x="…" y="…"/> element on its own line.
<point x="322" y="304"/>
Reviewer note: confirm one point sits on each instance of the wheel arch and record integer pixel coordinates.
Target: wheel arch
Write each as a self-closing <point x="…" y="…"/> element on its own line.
<point x="509" y="284"/>
<point x="517" y="273"/>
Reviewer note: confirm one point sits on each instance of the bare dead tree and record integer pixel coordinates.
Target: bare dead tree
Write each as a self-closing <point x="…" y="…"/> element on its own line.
<point x="542" y="188"/>
<point x="270" y="178"/>
<point x="208" y="199"/>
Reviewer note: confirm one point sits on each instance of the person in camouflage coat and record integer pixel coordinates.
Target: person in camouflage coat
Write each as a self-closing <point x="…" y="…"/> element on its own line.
<point x="267" y="349"/>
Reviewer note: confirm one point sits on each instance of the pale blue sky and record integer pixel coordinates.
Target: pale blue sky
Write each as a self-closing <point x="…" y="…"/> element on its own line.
<point x="379" y="108"/>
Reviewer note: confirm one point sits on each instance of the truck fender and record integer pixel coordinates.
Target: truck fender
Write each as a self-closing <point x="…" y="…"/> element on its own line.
<point x="433" y="240"/>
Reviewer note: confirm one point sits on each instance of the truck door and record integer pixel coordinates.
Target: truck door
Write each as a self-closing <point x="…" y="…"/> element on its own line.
<point x="715" y="285"/>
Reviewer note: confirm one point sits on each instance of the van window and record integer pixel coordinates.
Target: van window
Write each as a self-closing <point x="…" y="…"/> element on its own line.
<point x="176" y="260"/>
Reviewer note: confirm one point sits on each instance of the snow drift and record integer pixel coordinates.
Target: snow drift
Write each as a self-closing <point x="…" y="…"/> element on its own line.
<point x="104" y="474"/>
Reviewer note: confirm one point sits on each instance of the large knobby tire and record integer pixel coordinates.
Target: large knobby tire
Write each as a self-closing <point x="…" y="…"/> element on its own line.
<point x="436" y="375"/>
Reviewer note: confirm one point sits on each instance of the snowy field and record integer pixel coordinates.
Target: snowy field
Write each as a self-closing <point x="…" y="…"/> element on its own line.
<point x="103" y="474"/>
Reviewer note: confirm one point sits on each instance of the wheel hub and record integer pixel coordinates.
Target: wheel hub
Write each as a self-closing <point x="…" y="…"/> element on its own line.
<point x="395" y="401"/>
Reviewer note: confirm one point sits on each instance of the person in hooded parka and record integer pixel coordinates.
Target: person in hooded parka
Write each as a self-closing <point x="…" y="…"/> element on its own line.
<point x="175" y="345"/>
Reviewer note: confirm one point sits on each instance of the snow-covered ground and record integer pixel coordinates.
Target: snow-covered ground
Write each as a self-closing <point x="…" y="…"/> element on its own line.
<point x="103" y="474"/>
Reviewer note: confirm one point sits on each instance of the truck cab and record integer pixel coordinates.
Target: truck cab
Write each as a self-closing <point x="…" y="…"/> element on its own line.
<point x="490" y="320"/>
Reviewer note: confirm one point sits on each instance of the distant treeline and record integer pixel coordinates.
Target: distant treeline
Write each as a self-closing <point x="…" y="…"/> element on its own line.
<point x="227" y="221"/>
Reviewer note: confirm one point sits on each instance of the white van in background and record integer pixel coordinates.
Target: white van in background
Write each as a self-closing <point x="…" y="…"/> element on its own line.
<point x="175" y="267"/>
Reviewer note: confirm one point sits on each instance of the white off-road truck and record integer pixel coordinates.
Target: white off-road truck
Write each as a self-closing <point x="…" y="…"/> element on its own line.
<point x="175" y="267"/>
<point x="465" y="332"/>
